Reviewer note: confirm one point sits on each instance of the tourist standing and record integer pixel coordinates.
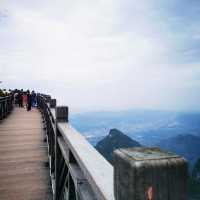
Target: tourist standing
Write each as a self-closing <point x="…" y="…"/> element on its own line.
<point x="29" y="99"/>
<point x="33" y="95"/>
<point x="24" y="99"/>
<point x="20" y="98"/>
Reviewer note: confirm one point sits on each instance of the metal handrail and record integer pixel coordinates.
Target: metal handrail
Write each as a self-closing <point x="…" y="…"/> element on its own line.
<point x="6" y="106"/>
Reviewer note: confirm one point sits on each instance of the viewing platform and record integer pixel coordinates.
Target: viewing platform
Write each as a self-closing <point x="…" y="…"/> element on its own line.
<point x="24" y="172"/>
<point x="42" y="157"/>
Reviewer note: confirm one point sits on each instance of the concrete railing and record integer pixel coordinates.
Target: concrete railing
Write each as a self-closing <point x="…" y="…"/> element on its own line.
<point x="79" y="172"/>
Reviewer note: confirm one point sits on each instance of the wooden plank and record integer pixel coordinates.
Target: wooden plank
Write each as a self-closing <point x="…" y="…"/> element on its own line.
<point x="23" y="170"/>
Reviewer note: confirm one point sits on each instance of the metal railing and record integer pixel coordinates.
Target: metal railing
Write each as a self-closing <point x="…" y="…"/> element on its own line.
<point x="6" y="106"/>
<point x="77" y="170"/>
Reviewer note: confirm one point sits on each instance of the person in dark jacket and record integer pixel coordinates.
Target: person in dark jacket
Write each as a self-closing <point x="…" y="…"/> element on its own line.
<point x="33" y="95"/>
<point x="29" y="100"/>
<point x="20" y="98"/>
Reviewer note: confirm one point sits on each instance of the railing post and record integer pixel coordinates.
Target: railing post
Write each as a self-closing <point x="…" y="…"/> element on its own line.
<point x="52" y="140"/>
<point x="149" y="174"/>
<point x="4" y="108"/>
<point x="1" y="110"/>
<point x="48" y="99"/>
<point x="52" y="103"/>
<point x="61" y="116"/>
<point x="6" y="103"/>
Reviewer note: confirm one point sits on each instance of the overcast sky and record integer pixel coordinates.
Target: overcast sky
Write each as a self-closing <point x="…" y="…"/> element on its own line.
<point x="104" y="54"/>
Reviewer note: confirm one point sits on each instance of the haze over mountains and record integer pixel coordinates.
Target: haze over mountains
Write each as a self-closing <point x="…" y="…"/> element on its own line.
<point x="148" y="127"/>
<point x="173" y="131"/>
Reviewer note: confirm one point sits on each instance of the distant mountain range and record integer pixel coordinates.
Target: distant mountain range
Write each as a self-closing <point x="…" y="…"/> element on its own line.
<point x="114" y="140"/>
<point x="148" y="127"/>
<point x="178" y="132"/>
<point x="187" y="146"/>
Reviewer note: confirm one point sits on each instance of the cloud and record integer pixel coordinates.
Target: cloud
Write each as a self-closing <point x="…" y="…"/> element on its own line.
<point x="102" y="54"/>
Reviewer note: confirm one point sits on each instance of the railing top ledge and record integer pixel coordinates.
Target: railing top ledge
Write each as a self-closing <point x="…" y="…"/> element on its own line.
<point x="97" y="170"/>
<point x="4" y="98"/>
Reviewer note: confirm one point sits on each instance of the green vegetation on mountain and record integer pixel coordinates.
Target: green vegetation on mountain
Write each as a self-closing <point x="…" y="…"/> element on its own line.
<point x="115" y="140"/>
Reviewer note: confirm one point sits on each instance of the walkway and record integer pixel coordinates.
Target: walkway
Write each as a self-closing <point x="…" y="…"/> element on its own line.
<point x="24" y="174"/>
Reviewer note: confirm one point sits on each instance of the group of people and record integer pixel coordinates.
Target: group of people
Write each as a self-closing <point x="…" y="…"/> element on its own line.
<point x="4" y="92"/>
<point x="25" y="99"/>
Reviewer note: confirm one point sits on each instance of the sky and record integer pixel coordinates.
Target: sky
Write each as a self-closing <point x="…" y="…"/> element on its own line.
<point x="103" y="54"/>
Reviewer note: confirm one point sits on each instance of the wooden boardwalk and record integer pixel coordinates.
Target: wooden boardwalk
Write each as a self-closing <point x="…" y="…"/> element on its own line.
<point x="24" y="174"/>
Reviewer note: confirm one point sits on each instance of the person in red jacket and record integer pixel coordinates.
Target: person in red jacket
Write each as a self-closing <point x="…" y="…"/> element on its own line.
<point x="24" y="97"/>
